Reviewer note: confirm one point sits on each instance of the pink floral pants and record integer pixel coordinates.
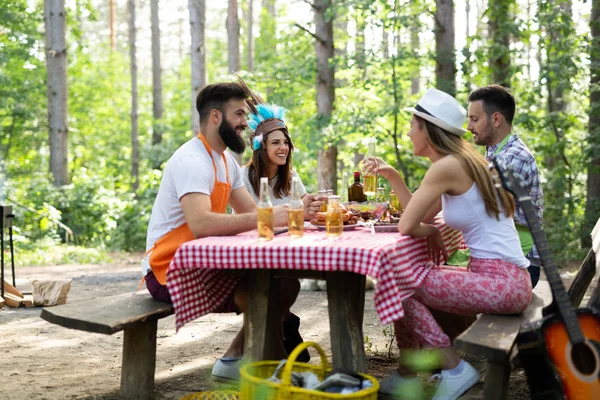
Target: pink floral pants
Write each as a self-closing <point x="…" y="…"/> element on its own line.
<point x="486" y="286"/>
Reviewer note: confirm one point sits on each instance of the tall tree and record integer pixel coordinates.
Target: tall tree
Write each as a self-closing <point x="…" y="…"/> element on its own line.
<point x="233" y="36"/>
<point x="111" y="23"/>
<point x="445" y="58"/>
<point x="592" y="205"/>
<point x="56" y="73"/>
<point x="327" y="155"/>
<point x="361" y="25"/>
<point x="198" y="54"/>
<point x="250" y="36"/>
<point x="157" y="101"/>
<point x="499" y="25"/>
<point x="134" y="98"/>
<point x="415" y="44"/>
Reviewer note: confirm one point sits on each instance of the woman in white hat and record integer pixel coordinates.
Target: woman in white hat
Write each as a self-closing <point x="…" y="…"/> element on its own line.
<point x="460" y="184"/>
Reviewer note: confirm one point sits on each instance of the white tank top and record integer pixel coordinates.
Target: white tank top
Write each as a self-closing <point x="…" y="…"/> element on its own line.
<point x="485" y="236"/>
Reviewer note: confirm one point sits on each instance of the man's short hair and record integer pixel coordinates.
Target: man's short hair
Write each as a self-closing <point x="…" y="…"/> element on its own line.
<point x="215" y="96"/>
<point x="495" y="98"/>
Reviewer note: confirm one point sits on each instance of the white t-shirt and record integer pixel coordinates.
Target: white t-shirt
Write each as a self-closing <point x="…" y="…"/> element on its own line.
<point x="276" y="201"/>
<point x="486" y="237"/>
<point x="189" y="170"/>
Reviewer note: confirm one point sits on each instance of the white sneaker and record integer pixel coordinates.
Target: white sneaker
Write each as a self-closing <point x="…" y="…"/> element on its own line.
<point x="402" y="388"/>
<point x="227" y="369"/>
<point x="451" y="387"/>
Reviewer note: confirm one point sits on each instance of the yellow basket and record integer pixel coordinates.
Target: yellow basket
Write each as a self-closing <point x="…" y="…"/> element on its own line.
<point x="214" y="395"/>
<point x="254" y="384"/>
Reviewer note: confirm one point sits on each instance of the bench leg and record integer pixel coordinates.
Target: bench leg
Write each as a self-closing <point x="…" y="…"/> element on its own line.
<point x="139" y="361"/>
<point x="495" y="386"/>
<point x="346" y="303"/>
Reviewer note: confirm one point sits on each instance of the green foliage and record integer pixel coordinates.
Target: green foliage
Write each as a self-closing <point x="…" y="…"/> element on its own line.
<point x="371" y="91"/>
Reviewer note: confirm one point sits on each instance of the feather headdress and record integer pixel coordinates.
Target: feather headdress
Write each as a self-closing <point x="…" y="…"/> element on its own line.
<point x="264" y="118"/>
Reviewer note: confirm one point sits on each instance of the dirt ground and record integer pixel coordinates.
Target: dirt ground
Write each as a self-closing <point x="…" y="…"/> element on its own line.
<point x="46" y="361"/>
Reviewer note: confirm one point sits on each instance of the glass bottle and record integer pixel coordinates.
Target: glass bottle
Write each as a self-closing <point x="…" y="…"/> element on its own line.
<point x="395" y="203"/>
<point x="355" y="191"/>
<point x="344" y="191"/>
<point x="380" y="198"/>
<point x="265" y="212"/>
<point x="296" y="211"/>
<point x="334" y="221"/>
<point x="370" y="179"/>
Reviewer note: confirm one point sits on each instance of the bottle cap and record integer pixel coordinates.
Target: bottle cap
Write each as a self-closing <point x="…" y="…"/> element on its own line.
<point x="356" y="174"/>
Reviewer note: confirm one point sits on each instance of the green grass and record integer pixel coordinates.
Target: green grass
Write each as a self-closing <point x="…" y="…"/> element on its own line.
<point x="49" y="253"/>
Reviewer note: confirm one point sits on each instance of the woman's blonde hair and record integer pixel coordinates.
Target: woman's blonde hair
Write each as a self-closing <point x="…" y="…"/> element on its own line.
<point x="475" y="166"/>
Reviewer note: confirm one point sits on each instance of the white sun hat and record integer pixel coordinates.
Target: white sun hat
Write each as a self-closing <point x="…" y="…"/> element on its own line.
<point x="442" y="110"/>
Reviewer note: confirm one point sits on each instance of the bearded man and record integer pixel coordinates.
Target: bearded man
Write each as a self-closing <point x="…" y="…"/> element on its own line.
<point x="200" y="179"/>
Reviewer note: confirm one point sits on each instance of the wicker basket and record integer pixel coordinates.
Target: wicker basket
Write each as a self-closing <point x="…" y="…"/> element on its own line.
<point x="254" y="384"/>
<point x="214" y="395"/>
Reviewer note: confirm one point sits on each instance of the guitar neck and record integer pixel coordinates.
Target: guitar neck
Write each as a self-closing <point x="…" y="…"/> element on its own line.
<point x="560" y="296"/>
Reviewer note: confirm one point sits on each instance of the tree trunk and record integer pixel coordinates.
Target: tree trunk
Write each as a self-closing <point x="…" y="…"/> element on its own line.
<point x="327" y="155"/>
<point x="360" y="56"/>
<point x="198" y="55"/>
<point x="499" y="19"/>
<point x="111" y="22"/>
<point x="445" y="59"/>
<point x="592" y="205"/>
<point x="157" y="102"/>
<point x="385" y="43"/>
<point x="134" y="98"/>
<point x="233" y="36"/>
<point x="250" y="36"/>
<point x="414" y="45"/>
<point x="56" y="75"/>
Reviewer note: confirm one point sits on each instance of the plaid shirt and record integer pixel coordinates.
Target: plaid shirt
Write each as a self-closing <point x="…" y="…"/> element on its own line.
<point x="516" y="154"/>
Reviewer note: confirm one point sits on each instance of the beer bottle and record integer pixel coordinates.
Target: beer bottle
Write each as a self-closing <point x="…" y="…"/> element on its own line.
<point x="296" y="211"/>
<point x="265" y="212"/>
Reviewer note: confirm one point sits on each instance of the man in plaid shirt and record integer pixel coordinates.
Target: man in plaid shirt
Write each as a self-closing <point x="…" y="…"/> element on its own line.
<point x="491" y="112"/>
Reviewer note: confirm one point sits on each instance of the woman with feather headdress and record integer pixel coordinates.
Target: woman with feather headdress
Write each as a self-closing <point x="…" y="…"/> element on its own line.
<point x="272" y="150"/>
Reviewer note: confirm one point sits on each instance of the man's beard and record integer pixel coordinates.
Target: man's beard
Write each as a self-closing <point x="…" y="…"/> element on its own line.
<point x="231" y="139"/>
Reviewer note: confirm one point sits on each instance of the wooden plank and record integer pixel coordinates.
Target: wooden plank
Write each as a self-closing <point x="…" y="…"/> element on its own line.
<point x="495" y="386"/>
<point x="28" y="300"/>
<point x="108" y="315"/>
<point x="346" y="301"/>
<point x="493" y="336"/>
<point x="139" y="361"/>
<point x="263" y="335"/>
<point x="1" y="302"/>
<point x="542" y="297"/>
<point x="8" y="288"/>
<point x="582" y="280"/>
<point x="12" y="300"/>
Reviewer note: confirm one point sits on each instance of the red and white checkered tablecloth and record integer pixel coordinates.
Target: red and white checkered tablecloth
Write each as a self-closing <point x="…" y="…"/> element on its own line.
<point x="198" y="286"/>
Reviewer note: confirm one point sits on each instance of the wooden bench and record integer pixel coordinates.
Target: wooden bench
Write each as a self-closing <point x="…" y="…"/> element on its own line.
<point x="135" y="313"/>
<point x="494" y="336"/>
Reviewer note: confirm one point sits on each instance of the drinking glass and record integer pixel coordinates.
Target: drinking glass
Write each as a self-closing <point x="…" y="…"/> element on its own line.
<point x="370" y="178"/>
<point x="334" y="221"/>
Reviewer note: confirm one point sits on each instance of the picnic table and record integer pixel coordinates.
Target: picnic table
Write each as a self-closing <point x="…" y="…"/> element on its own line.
<point x="199" y="280"/>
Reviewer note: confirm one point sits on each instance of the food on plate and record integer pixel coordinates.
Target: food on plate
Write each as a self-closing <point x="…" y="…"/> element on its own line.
<point x="349" y="217"/>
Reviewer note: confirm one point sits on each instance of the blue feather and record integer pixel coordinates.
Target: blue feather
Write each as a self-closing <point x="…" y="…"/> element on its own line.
<point x="265" y="111"/>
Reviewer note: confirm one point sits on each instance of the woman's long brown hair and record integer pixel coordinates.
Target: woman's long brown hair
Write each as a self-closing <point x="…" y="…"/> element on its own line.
<point x="475" y="166"/>
<point x="258" y="167"/>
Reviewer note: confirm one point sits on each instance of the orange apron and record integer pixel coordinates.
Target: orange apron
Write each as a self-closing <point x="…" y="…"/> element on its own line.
<point x="164" y="249"/>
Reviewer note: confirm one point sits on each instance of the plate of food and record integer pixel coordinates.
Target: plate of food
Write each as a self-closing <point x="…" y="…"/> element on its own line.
<point x="368" y="210"/>
<point x="349" y="219"/>
<point x="386" y="227"/>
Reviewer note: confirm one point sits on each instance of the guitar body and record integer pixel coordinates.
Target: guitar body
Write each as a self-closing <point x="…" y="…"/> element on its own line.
<point x="578" y="366"/>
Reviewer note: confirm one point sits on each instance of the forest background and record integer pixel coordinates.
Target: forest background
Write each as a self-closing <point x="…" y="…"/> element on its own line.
<point x="96" y="95"/>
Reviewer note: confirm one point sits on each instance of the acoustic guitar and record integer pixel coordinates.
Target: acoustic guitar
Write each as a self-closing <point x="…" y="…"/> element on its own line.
<point x="561" y="352"/>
